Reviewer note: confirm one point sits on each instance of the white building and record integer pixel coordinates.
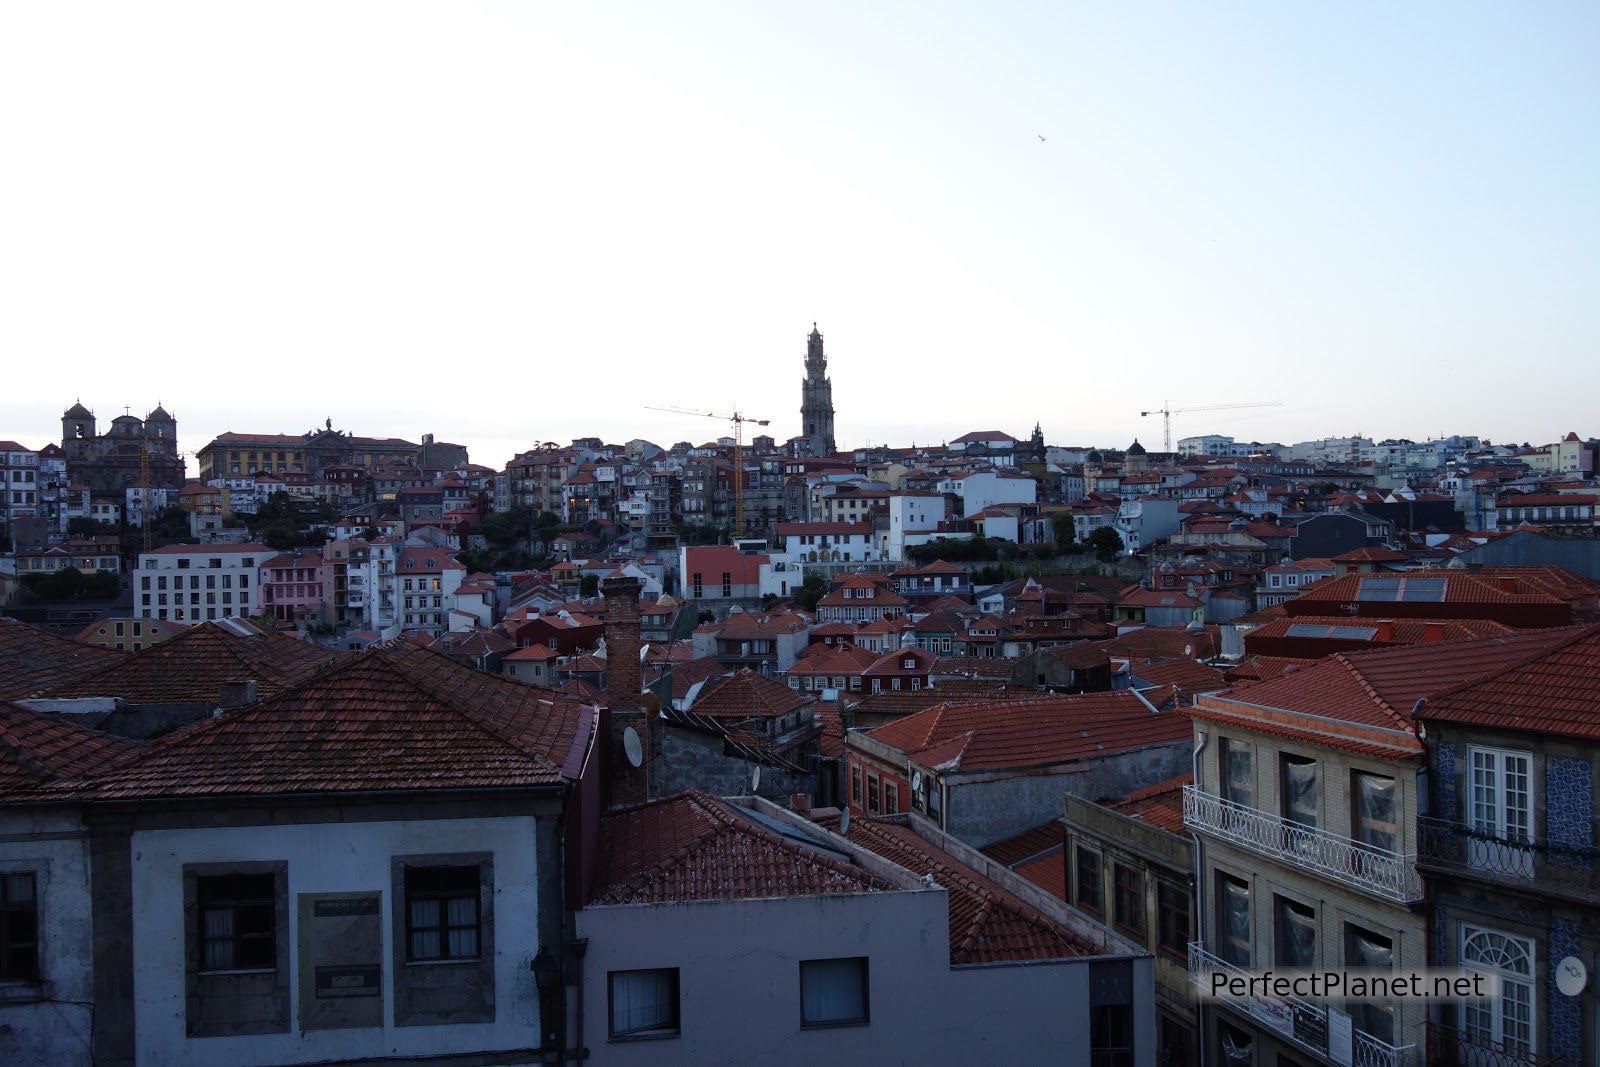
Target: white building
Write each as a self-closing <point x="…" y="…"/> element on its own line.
<point x="193" y="583"/>
<point x="984" y="489"/>
<point x="914" y="518"/>
<point x="1148" y="519"/>
<point x="812" y="542"/>
<point x="881" y="947"/>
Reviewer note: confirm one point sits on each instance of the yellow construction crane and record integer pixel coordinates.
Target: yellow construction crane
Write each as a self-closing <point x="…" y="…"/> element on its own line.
<point x="1166" y="411"/>
<point x="738" y="420"/>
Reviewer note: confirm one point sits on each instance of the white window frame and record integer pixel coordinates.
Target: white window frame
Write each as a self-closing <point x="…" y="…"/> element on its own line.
<point x="1493" y="813"/>
<point x="1485" y="1020"/>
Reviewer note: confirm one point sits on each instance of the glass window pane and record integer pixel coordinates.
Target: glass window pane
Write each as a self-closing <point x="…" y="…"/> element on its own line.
<point x="1375" y="825"/>
<point x="425" y="944"/>
<point x="833" y="991"/>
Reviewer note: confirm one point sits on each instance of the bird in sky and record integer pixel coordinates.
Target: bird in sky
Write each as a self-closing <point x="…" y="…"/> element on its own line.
<point x="1040" y="136"/>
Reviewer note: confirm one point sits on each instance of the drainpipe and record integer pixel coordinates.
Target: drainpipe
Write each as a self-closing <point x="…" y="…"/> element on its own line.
<point x="579" y="1050"/>
<point x="1202" y="737"/>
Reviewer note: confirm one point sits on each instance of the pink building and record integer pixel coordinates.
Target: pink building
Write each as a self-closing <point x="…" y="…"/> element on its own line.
<point x="291" y="587"/>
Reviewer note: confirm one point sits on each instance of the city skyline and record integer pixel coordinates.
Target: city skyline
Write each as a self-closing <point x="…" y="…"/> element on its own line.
<point x="1370" y="220"/>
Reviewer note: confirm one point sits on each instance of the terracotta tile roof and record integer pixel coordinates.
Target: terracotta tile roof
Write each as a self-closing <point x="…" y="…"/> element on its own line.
<point x="830" y="716"/>
<point x="1152" y="598"/>
<point x="748" y="695"/>
<point x="1047" y="872"/>
<point x="531" y="654"/>
<point x="254" y="547"/>
<point x="1007" y="735"/>
<point x="990" y="667"/>
<point x="697" y="847"/>
<point x="844" y="659"/>
<point x="1261" y="668"/>
<point x="38" y="748"/>
<point x="1364" y="700"/>
<point x="192" y="666"/>
<point x="1185" y="675"/>
<point x="1385" y="631"/>
<point x="1556" y="691"/>
<point x="1159" y="805"/>
<point x="988" y="923"/>
<point x="400" y="718"/>
<point x="1028" y="844"/>
<point x="893" y="664"/>
<point x="910" y="701"/>
<point x="685" y="673"/>
<point x="1160" y="642"/>
<point x="745" y="625"/>
<point x="34" y="660"/>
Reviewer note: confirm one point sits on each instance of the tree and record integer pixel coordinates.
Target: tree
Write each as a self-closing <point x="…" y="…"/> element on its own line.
<point x="1066" y="531"/>
<point x="83" y="526"/>
<point x="813" y="589"/>
<point x="282" y="534"/>
<point x="589" y="585"/>
<point x="1106" y="543"/>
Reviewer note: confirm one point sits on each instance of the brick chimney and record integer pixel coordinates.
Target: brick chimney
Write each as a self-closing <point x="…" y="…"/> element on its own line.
<point x="1433" y="633"/>
<point x="627" y="784"/>
<point x="1506" y="582"/>
<point x="1385" y="632"/>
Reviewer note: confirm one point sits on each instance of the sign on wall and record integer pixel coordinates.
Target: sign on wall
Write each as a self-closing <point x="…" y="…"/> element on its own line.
<point x="341" y="960"/>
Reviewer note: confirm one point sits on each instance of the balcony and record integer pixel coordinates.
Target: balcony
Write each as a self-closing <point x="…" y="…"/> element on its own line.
<point x="1446" y="1044"/>
<point x="1300" y="1021"/>
<point x="1533" y="865"/>
<point x="1389" y="875"/>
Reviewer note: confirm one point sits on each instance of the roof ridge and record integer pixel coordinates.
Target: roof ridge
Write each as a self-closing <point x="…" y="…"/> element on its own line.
<point x="1575" y="634"/>
<point x="1361" y="680"/>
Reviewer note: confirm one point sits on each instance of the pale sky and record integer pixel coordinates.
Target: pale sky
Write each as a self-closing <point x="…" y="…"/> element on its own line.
<point x="506" y="223"/>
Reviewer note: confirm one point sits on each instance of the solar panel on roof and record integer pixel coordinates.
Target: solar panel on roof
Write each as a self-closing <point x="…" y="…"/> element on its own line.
<point x="1422" y="590"/>
<point x="1385" y="589"/>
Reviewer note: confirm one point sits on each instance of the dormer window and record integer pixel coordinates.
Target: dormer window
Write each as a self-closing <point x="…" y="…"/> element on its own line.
<point x="910" y="663"/>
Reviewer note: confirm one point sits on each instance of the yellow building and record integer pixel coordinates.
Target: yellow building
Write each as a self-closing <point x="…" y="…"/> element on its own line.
<point x="129" y="634"/>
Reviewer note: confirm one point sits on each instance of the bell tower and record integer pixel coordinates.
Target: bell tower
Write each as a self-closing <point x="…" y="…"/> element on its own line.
<point x="816" y="397"/>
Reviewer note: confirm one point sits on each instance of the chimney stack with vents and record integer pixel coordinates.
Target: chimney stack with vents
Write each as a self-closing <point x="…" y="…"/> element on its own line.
<point x="628" y="784"/>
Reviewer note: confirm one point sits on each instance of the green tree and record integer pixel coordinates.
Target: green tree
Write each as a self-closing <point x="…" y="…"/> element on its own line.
<point x="589" y="585"/>
<point x="281" y="534"/>
<point x="1106" y="543"/>
<point x="1066" y="531"/>
<point x="101" y="586"/>
<point x="813" y="589"/>
<point x="83" y="526"/>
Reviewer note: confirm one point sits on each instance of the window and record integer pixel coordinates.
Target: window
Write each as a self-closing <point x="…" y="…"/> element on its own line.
<point x="699" y="588"/>
<point x="19" y="929"/>
<point x="1111" y="1036"/>
<point x="1299" y="792"/>
<point x="727" y="584"/>
<point x="1127" y="899"/>
<point x="872" y="794"/>
<point x="442" y="913"/>
<point x="1238" y="772"/>
<point x="1506" y="1023"/>
<point x="1372" y="810"/>
<point x="1233" y="920"/>
<point x="1364" y="950"/>
<point x="891" y="798"/>
<point x="1296" y="933"/>
<point x="1499" y="794"/>
<point x="1237" y="1046"/>
<point x="238" y="922"/>
<point x="643" y="1003"/>
<point x="1089" y="895"/>
<point x="833" y="992"/>
<point x="1172" y="918"/>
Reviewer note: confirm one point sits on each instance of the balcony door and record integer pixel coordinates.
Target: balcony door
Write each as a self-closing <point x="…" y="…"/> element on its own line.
<point x="1503" y="1025"/>
<point x="1501" y="811"/>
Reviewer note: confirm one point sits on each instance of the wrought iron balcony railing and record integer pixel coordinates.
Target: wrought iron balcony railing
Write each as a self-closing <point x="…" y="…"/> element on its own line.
<point x="1446" y="1044"/>
<point x="1301" y="1021"/>
<point x="1390" y="875"/>
<point x="1540" y="866"/>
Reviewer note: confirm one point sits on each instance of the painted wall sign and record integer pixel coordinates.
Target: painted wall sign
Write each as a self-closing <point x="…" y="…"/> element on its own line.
<point x="341" y="960"/>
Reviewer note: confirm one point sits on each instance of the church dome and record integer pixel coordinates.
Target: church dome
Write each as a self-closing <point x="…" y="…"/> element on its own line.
<point x="126" y="425"/>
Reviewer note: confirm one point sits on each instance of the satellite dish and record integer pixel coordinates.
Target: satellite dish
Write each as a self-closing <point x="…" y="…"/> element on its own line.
<point x="916" y="781"/>
<point x="755" y="779"/>
<point x="844" y="823"/>
<point x="632" y="746"/>
<point x="1571" y="976"/>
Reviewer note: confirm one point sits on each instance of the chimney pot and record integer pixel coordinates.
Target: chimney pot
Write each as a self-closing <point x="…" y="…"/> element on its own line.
<point x="236" y="694"/>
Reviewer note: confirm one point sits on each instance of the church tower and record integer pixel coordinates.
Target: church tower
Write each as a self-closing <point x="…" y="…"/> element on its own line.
<point x="816" y="398"/>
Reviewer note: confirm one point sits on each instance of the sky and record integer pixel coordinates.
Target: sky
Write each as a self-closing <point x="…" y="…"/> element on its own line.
<point x="510" y="223"/>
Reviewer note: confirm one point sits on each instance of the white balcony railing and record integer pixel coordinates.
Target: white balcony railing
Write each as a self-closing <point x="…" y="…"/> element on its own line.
<point x="1301" y="1021"/>
<point x="1389" y="875"/>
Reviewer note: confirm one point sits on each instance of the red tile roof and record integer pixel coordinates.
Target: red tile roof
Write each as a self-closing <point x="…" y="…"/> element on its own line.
<point x="1556" y="691"/>
<point x="33" y="660"/>
<point x="843" y="659"/>
<point x="1028" y="844"/>
<point x="192" y="666"/>
<point x="748" y="695"/>
<point x="1005" y="735"/>
<point x="988" y="923"/>
<point x="400" y="718"/>
<point x="1365" y="700"/>
<point x="1159" y="805"/>
<point x="38" y="748"/>
<point x="697" y="847"/>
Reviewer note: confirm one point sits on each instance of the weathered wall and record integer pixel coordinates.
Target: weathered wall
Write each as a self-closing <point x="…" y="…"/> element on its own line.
<point x="688" y="759"/>
<point x="982" y="812"/>
<point x="739" y="986"/>
<point x="332" y="857"/>
<point x="55" y="1029"/>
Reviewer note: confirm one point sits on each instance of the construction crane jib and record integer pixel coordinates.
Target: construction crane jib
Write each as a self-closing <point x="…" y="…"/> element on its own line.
<point x="737" y="419"/>
<point x="1166" y="411"/>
